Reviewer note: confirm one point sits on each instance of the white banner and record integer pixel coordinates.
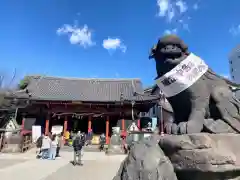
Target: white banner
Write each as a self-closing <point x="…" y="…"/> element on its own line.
<point x="57" y="129"/>
<point x="36" y="132"/>
<point x="182" y="76"/>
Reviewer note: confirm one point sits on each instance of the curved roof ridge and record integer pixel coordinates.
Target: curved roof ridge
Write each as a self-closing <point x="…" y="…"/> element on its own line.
<point x="76" y="78"/>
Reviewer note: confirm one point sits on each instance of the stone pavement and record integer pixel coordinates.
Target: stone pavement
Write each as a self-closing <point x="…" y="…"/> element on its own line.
<point x="97" y="166"/>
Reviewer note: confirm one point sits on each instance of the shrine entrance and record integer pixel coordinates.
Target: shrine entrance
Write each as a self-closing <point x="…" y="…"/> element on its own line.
<point x="103" y="124"/>
<point x="98" y="125"/>
<point x="78" y="124"/>
<point x="85" y="124"/>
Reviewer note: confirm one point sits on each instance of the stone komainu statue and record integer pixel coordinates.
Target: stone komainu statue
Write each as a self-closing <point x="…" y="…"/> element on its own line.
<point x="206" y="105"/>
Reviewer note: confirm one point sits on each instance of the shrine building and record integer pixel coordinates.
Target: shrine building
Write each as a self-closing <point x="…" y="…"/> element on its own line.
<point x="83" y="104"/>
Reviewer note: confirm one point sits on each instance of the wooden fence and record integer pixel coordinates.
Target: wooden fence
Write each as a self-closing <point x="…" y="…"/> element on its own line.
<point x="26" y="142"/>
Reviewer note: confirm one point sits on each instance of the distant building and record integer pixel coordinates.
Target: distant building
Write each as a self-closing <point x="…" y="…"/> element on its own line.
<point x="234" y="63"/>
<point x="83" y="104"/>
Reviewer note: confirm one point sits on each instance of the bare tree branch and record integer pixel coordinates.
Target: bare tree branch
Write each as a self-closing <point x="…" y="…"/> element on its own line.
<point x="1" y="81"/>
<point x="6" y="79"/>
<point x="13" y="77"/>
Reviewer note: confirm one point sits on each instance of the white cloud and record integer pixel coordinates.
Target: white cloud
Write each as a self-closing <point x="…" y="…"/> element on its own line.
<point x="166" y="9"/>
<point x="195" y="6"/>
<point x="170" y="31"/>
<point x="176" y="12"/>
<point x="182" y="5"/>
<point x="235" y="30"/>
<point x="114" y="44"/>
<point x="169" y="8"/>
<point x="77" y="35"/>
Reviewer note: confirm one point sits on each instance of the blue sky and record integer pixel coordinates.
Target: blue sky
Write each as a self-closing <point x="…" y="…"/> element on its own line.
<point x="111" y="39"/>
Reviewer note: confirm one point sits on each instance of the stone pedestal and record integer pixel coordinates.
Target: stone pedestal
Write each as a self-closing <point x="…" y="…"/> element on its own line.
<point x="203" y="156"/>
<point x="12" y="144"/>
<point x="146" y="161"/>
<point x="183" y="157"/>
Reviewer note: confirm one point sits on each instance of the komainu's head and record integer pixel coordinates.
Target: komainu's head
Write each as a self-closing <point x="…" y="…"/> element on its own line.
<point x="168" y="52"/>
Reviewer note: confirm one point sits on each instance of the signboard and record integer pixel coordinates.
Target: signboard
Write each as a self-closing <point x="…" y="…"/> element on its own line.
<point x="182" y="76"/>
<point x="57" y="129"/>
<point x="95" y="140"/>
<point x="116" y="130"/>
<point x="36" y="132"/>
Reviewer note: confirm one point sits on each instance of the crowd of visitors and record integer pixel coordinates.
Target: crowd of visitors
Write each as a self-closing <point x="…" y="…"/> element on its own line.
<point x="48" y="146"/>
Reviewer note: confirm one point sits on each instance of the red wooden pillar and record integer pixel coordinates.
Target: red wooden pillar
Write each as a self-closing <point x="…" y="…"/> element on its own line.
<point x="89" y="123"/>
<point x="123" y="125"/>
<point x="107" y="130"/>
<point x="123" y="134"/>
<point x="65" y="126"/>
<point x="22" y="128"/>
<point x="47" y="125"/>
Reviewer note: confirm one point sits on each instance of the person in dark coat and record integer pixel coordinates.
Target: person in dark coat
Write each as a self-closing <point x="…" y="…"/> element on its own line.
<point x="59" y="144"/>
<point x="39" y="145"/>
<point x="102" y="142"/>
<point x="78" y="144"/>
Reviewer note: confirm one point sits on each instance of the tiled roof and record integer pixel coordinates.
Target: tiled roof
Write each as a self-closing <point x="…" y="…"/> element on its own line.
<point x="11" y="99"/>
<point x="88" y="89"/>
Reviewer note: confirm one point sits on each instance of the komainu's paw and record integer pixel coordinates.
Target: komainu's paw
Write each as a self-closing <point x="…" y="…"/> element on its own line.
<point x="182" y="128"/>
<point x="195" y="126"/>
<point x="190" y="127"/>
<point x="168" y="128"/>
<point x="171" y="128"/>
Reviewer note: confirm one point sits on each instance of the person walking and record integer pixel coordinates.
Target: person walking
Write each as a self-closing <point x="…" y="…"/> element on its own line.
<point x="59" y="144"/>
<point x="53" y="149"/>
<point x="67" y="137"/>
<point x="102" y="142"/>
<point x="78" y="143"/>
